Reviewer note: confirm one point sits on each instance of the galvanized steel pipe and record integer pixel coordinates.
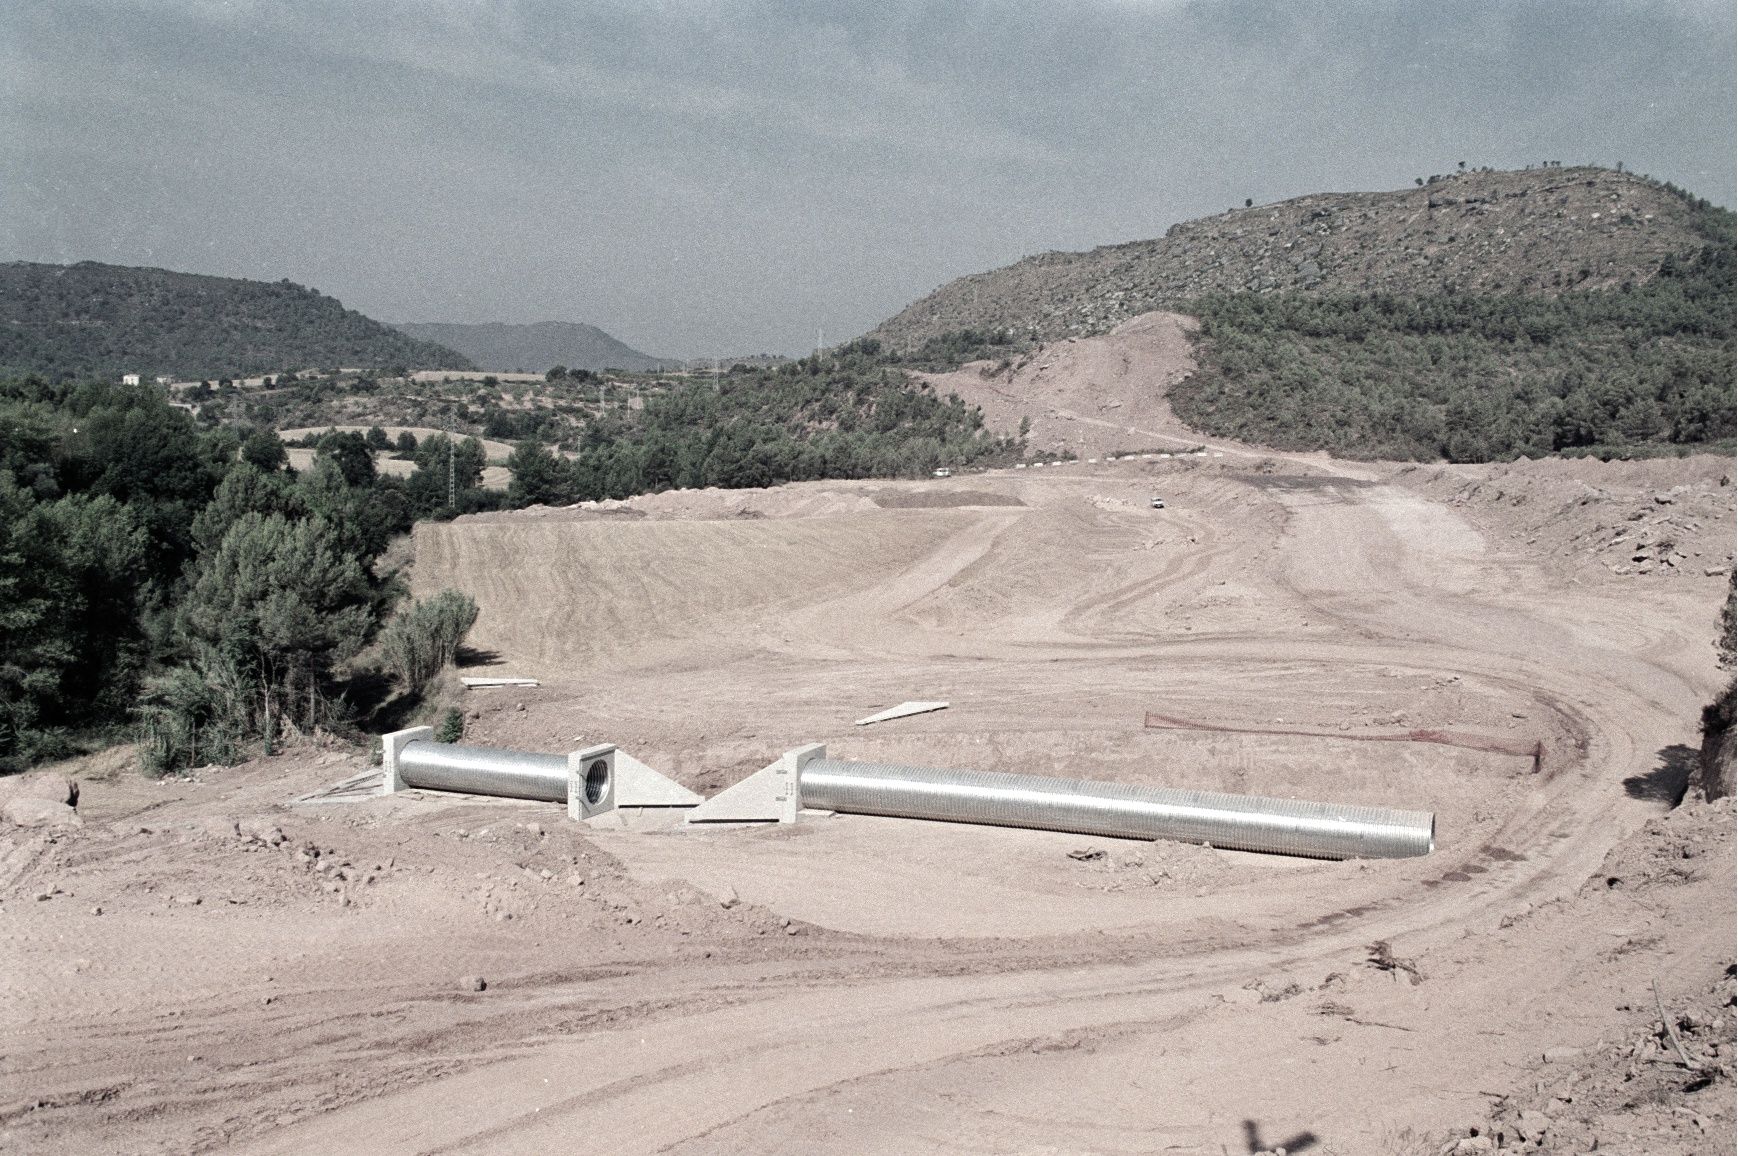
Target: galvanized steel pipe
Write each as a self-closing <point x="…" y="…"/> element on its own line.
<point x="1240" y="822"/>
<point x="433" y="766"/>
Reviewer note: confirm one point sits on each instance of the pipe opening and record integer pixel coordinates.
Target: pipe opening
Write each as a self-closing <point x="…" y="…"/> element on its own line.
<point x="597" y="781"/>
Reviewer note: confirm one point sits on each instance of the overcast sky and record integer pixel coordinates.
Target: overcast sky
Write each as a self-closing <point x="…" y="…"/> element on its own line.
<point x="729" y="178"/>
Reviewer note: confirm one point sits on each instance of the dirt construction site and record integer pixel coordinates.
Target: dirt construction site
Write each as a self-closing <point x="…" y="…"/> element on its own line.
<point x="251" y="959"/>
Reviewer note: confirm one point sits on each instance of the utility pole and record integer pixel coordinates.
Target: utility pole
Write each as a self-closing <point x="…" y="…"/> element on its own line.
<point x="452" y="472"/>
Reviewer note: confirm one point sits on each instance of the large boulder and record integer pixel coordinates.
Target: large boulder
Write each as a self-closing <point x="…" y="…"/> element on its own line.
<point x="26" y="811"/>
<point x="50" y="785"/>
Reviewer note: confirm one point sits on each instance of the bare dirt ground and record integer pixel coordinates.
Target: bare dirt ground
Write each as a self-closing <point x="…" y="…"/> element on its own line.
<point x="1089" y="396"/>
<point x="854" y="984"/>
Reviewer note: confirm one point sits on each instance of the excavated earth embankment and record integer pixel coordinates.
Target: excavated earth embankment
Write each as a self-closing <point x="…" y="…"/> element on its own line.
<point x="212" y="963"/>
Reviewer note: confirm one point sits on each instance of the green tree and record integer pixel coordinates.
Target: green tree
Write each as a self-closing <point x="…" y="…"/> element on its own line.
<point x="143" y="453"/>
<point x="350" y="452"/>
<point x="72" y="578"/>
<point x="283" y="601"/>
<point x="246" y="489"/>
<point x="363" y="518"/>
<point x="427" y="485"/>
<point x="539" y="477"/>
<point x="264" y="450"/>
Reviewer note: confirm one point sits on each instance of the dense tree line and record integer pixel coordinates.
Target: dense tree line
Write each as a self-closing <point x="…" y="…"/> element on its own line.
<point x="844" y="414"/>
<point x="154" y="572"/>
<point x="95" y="320"/>
<point x="179" y="580"/>
<point x="1639" y="369"/>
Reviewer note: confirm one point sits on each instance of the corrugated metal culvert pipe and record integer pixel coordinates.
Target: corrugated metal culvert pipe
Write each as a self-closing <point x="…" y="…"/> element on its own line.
<point x="1240" y="822"/>
<point x="584" y="780"/>
<point x="432" y="766"/>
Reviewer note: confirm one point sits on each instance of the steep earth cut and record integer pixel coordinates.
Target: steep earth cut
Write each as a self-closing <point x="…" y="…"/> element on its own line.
<point x="1086" y="397"/>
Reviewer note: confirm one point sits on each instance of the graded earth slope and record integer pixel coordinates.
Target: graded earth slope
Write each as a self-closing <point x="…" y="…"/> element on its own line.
<point x="1535" y="231"/>
<point x="1293" y="627"/>
<point x="1087" y="396"/>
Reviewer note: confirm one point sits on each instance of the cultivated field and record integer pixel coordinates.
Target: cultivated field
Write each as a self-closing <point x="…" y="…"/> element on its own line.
<point x="873" y="985"/>
<point x="494" y="477"/>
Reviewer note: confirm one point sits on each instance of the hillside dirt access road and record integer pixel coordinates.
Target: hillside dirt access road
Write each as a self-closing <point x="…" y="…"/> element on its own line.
<point x="874" y="985"/>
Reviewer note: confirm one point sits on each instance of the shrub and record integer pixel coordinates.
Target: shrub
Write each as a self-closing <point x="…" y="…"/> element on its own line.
<point x="451" y="728"/>
<point x="420" y="641"/>
<point x="194" y="715"/>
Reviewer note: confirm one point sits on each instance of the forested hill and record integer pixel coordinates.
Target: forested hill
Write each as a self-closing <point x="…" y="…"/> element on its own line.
<point x="536" y="348"/>
<point x="1540" y="231"/>
<point x="94" y="320"/>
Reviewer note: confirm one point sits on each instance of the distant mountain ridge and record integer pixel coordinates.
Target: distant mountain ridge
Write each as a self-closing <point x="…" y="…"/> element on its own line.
<point x="1540" y="230"/>
<point x="537" y="347"/>
<point x="92" y="319"/>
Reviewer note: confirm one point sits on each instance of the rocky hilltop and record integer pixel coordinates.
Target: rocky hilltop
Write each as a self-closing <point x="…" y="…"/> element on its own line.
<point x="1535" y="231"/>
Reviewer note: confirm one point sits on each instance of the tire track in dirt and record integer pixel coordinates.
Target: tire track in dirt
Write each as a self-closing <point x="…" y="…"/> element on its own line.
<point x="1549" y="843"/>
<point x="721" y="1045"/>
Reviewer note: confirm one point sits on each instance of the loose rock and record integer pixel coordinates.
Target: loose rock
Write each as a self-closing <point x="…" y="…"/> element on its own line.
<point x="262" y="831"/>
<point x="221" y="827"/>
<point x="32" y="812"/>
<point x="49" y="785"/>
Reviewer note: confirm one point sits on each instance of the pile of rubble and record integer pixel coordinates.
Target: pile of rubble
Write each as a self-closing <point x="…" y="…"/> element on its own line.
<point x="1664" y="1087"/>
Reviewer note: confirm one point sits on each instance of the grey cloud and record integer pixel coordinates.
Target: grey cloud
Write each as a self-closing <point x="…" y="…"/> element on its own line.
<point x="728" y="177"/>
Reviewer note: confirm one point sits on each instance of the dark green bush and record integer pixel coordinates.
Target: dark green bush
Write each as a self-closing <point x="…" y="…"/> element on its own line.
<point x="451" y="727"/>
